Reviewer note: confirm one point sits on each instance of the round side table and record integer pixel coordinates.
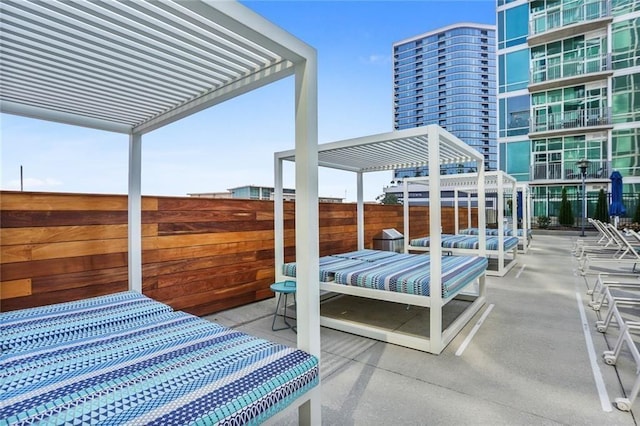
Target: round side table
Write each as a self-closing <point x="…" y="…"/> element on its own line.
<point x="283" y="288"/>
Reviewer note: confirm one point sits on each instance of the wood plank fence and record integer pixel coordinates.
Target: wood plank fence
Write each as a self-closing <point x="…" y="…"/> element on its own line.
<point x="199" y="255"/>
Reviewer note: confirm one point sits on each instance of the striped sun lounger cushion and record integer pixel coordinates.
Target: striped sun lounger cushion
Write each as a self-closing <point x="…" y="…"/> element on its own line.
<point x="412" y="275"/>
<point x="467" y="242"/>
<point x="494" y="232"/>
<point x="328" y="267"/>
<point x="368" y="255"/>
<point x="162" y="368"/>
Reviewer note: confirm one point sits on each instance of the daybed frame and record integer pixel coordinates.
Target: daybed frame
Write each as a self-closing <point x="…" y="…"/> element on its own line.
<point x="426" y="146"/>
<point x="523" y="189"/>
<point x="525" y="240"/>
<point x="496" y="181"/>
<point x="138" y="66"/>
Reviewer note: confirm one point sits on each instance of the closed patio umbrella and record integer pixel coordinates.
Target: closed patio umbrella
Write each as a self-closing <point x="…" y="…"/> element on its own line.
<point x="616" y="208"/>
<point x="519" y="204"/>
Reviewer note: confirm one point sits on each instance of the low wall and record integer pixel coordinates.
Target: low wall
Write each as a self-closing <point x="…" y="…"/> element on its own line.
<point x="199" y="255"/>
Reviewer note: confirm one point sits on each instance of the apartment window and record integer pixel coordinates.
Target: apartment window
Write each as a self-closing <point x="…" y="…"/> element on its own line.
<point x="514" y="116"/>
<point x="513" y="71"/>
<point x="516" y="157"/>
<point x="556" y="158"/>
<point x="626" y="98"/>
<point x="621" y="7"/>
<point x="560" y="108"/>
<point x="626" y="44"/>
<point x="513" y="26"/>
<point x="625" y="147"/>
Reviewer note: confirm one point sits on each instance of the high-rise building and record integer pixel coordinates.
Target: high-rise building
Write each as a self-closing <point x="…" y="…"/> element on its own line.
<point x="568" y="89"/>
<point x="447" y="77"/>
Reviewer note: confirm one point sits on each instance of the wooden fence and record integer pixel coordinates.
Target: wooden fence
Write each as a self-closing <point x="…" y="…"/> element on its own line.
<point x="199" y="255"/>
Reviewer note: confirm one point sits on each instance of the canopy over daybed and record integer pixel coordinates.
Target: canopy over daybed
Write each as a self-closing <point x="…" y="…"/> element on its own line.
<point x="133" y="67"/>
<point x="428" y="146"/>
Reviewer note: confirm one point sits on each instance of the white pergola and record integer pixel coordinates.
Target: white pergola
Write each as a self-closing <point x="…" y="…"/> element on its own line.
<point x="494" y="181"/>
<point x="132" y="67"/>
<point x="421" y="146"/>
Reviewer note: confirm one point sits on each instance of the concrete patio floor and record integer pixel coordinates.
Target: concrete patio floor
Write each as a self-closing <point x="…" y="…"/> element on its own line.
<point x="529" y="361"/>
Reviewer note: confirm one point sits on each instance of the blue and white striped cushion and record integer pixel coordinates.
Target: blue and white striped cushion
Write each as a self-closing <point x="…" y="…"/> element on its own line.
<point x="467" y="242"/>
<point x="412" y="274"/>
<point x="172" y="368"/>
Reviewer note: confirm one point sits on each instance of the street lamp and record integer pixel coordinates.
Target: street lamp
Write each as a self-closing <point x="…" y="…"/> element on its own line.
<point x="583" y="165"/>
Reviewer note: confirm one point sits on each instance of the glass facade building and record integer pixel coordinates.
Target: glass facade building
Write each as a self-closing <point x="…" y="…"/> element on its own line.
<point x="447" y="77"/>
<point x="568" y="88"/>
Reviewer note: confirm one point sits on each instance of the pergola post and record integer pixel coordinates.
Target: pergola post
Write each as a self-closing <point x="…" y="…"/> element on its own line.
<point x="360" y="210"/>
<point x="307" y="221"/>
<point x="435" y="221"/>
<point x="135" y="212"/>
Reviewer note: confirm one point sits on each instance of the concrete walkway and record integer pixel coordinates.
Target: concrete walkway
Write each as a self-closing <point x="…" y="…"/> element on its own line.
<point x="527" y="363"/>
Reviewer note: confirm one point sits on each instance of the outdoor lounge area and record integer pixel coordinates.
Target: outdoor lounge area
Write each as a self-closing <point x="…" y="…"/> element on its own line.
<point x="115" y="308"/>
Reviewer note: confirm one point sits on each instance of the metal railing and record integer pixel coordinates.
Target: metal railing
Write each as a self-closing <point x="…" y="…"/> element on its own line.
<point x="548" y="70"/>
<point x="569" y="171"/>
<point x="589" y="117"/>
<point x="567" y="14"/>
<point x="549" y="206"/>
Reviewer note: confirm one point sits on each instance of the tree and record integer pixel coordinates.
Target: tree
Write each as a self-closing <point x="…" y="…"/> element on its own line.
<point x="566" y="214"/>
<point x="636" y="216"/>
<point x="389" y="199"/>
<point x="602" y="212"/>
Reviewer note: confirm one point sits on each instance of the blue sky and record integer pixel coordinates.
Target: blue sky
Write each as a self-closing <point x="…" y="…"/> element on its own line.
<point x="232" y="144"/>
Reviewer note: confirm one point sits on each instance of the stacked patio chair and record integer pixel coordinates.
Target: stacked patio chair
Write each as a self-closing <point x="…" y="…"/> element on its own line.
<point x="623" y="259"/>
<point x="622" y="296"/>
<point x="599" y="240"/>
<point x="612" y="258"/>
<point x="600" y="293"/>
<point x="633" y="234"/>
<point x="603" y="238"/>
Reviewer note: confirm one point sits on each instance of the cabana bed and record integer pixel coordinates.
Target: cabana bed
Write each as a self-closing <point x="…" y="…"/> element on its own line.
<point x="502" y="247"/>
<point x="524" y="222"/>
<point x="523" y="243"/>
<point x="427" y="146"/>
<point x="469" y="244"/>
<point x="131" y="68"/>
<point x="124" y="358"/>
<point x="521" y="213"/>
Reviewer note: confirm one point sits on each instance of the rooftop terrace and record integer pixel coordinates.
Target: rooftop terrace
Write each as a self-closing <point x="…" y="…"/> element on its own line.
<point x="531" y="356"/>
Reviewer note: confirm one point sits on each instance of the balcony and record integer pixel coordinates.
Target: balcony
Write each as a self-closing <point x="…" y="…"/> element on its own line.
<point x="570" y="122"/>
<point x="571" y="18"/>
<point x="546" y="76"/>
<point x="569" y="171"/>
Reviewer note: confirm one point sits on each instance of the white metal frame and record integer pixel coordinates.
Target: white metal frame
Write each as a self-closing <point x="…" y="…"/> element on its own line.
<point x="133" y="67"/>
<point x="526" y="216"/>
<point x="425" y="146"/>
<point x="496" y="181"/>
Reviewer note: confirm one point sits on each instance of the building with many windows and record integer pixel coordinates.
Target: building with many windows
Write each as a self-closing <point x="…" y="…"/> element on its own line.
<point x="568" y="89"/>
<point x="447" y="77"/>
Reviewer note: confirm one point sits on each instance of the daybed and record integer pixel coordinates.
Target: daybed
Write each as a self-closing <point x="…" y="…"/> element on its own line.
<point x="520" y="200"/>
<point x="125" y="358"/>
<point x="496" y="182"/>
<point x="469" y="244"/>
<point x="523" y="243"/>
<point x="396" y="272"/>
<point x="402" y="278"/>
<point x="137" y="67"/>
<point x="427" y="146"/>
